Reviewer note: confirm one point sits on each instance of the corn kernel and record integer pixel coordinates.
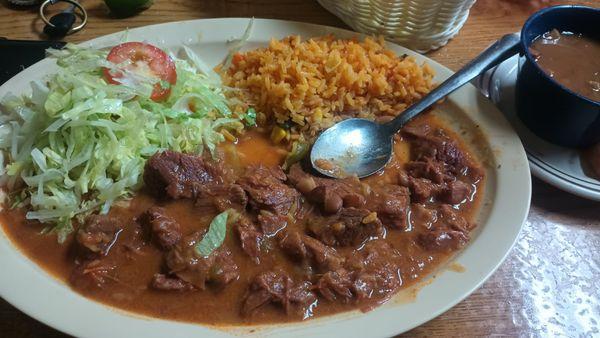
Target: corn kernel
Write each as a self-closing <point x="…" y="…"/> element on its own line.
<point x="278" y="134"/>
<point x="228" y="136"/>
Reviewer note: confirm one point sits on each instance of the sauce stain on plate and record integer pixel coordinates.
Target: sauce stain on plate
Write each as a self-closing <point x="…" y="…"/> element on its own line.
<point x="456" y="267"/>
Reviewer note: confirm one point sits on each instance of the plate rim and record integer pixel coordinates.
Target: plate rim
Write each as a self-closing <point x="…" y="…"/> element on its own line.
<point x="516" y="170"/>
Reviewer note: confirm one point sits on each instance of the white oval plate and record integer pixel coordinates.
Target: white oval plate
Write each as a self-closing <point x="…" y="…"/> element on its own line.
<point x="508" y="192"/>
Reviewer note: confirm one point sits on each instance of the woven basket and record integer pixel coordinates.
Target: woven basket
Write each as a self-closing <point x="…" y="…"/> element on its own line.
<point x="421" y="25"/>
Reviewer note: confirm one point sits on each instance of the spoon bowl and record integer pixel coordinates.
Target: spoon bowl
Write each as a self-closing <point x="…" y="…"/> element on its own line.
<point x="353" y="146"/>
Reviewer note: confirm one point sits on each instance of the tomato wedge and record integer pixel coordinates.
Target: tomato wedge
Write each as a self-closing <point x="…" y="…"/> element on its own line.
<point x="148" y="59"/>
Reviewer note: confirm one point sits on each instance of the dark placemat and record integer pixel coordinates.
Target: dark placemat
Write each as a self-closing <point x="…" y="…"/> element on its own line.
<point x="16" y="55"/>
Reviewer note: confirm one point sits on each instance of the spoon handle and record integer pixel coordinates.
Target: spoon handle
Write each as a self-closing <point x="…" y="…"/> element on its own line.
<point x="501" y="50"/>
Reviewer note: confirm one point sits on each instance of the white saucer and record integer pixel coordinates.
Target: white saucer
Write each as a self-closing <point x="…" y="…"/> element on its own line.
<point x="559" y="166"/>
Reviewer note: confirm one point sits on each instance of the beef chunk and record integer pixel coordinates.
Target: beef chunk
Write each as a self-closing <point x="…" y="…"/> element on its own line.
<point x="370" y="273"/>
<point x="308" y="249"/>
<point x="442" y="240"/>
<point x="221" y="197"/>
<point x="91" y="274"/>
<point x="416" y="131"/>
<point x="164" y="230"/>
<point x="338" y="284"/>
<point x="165" y="283"/>
<point x="422" y="217"/>
<point x="449" y="232"/>
<point x="218" y="268"/>
<point x="250" y="238"/>
<point x="350" y="227"/>
<point x="438" y="158"/>
<point x="391" y="204"/>
<point x="234" y="198"/>
<point x="455" y="192"/>
<point x="134" y="243"/>
<point x="293" y="245"/>
<point x="267" y="190"/>
<point x="353" y="200"/>
<point x="451" y="219"/>
<point x="99" y="233"/>
<point x="177" y="175"/>
<point x="330" y="194"/>
<point x="329" y="200"/>
<point x="270" y="223"/>
<point x="378" y="275"/>
<point x="276" y="287"/>
<point x="403" y="178"/>
<point x="433" y="144"/>
<point x="449" y="191"/>
<point x="429" y="169"/>
<point x="422" y="189"/>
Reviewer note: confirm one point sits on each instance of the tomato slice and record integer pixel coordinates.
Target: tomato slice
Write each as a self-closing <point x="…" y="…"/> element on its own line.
<point x="145" y="58"/>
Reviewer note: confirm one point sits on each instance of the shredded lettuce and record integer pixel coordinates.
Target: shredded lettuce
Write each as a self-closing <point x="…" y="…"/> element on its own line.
<point x="215" y="235"/>
<point x="77" y="144"/>
<point x="250" y="117"/>
<point x="235" y="45"/>
<point x="300" y="149"/>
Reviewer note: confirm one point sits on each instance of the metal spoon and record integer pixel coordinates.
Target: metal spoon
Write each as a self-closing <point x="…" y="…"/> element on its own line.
<point x="363" y="147"/>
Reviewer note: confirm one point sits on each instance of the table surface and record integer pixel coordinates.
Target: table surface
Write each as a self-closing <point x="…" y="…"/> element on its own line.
<point x="548" y="286"/>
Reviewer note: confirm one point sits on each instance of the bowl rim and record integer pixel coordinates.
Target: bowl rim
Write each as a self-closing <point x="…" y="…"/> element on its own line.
<point x="525" y="43"/>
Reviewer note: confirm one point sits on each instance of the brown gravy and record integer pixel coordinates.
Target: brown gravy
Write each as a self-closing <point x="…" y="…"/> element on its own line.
<point x="571" y="59"/>
<point x="130" y="290"/>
